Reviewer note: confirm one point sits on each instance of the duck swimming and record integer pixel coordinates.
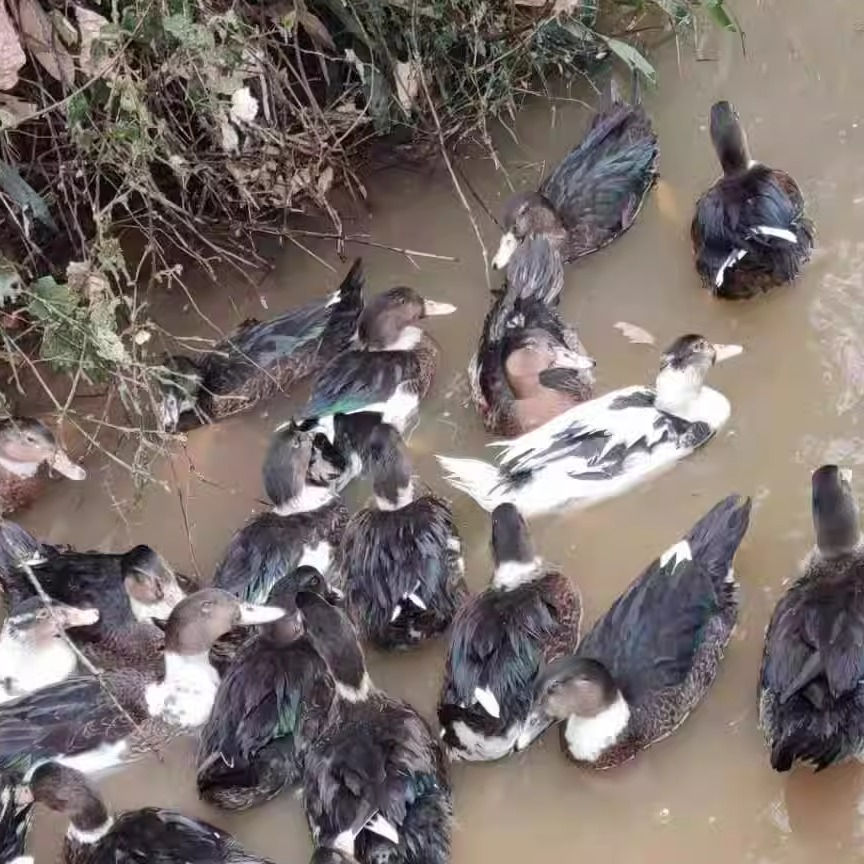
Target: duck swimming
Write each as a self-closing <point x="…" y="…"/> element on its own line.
<point x="649" y="661"/>
<point x="15" y="818"/>
<point x="273" y="701"/>
<point x="596" y="192"/>
<point x="528" y="617"/>
<point x="259" y="360"/>
<point x="26" y="445"/>
<point x="390" y="371"/>
<point x="750" y="232"/>
<point x="811" y="696"/>
<point x="33" y="653"/>
<point x="78" y="723"/>
<point x="400" y="560"/>
<point x="303" y="527"/>
<point x="604" y="447"/>
<point x="376" y="755"/>
<point x="151" y="834"/>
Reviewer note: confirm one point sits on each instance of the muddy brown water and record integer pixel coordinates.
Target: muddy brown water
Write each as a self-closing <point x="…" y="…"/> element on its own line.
<point x="708" y="791"/>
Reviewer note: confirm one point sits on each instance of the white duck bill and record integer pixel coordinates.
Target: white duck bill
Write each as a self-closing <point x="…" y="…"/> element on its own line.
<point x="727" y="352"/>
<point x="506" y="248"/>
<point x="572" y="360"/>
<point x="430" y="308"/>
<point x="62" y="463"/>
<point x="81" y="617"/>
<point x="252" y="614"/>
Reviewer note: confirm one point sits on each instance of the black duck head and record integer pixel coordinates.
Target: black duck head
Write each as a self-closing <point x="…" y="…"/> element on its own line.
<point x="513" y="554"/>
<point x="179" y="386"/>
<point x="730" y="139"/>
<point x="65" y="790"/>
<point x="390" y="468"/>
<point x="386" y="317"/>
<point x="695" y="351"/>
<point x="527" y="214"/>
<point x="35" y="622"/>
<point x="835" y="511"/>
<point x="26" y="443"/>
<point x="283" y="595"/>
<point x="202" y="618"/>
<point x="151" y="584"/>
<point x="287" y="463"/>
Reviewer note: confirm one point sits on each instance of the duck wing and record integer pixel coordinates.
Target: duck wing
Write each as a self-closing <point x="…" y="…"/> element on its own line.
<point x="650" y="637"/>
<point x="14" y="822"/>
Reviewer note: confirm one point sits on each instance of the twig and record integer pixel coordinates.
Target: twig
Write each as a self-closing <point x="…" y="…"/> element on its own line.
<point x="360" y="241"/>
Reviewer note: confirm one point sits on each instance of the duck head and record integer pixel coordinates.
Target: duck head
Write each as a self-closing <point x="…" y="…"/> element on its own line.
<point x="527" y="214"/>
<point x="835" y="512"/>
<point x="179" y="387"/>
<point x="533" y="355"/>
<point x="35" y="623"/>
<point x="513" y="554"/>
<point x="389" y="320"/>
<point x="150" y="583"/>
<point x="392" y="480"/>
<point x="283" y="595"/>
<point x="27" y="443"/>
<point x="729" y="138"/>
<point x="65" y="790"/>
<point x="581" y="692"/>
<point x="297" y="477"/>
<point x="683" y="368"/>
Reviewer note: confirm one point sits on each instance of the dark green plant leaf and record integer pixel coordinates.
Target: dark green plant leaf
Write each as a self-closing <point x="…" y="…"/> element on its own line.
<point x="720" y="15"/>
<point x="51" y="301"/>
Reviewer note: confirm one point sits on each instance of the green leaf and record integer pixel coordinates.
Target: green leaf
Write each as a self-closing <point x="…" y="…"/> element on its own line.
<point x="631" y="56"/>
<point x="721" y="15"/>
<point x="194" y="37"/>
<point x="51" y="301"/>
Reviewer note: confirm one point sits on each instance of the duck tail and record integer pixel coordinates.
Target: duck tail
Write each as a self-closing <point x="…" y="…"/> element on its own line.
<point x="715" y="538"/>
<point x="345" y="305"/>
<point x="478" y="479"/>
<point x="14" y="823"/>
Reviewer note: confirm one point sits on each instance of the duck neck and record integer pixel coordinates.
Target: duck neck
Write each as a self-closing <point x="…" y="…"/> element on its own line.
<point x="588" y="738"/>
<point x="406" y="339"/>
<point x="90" y="823"/>
<point x="396" y="498"/>
<point x="678" y="390"/>
<point x="308" y="498"/>
<point x="511" y="574"/>
<point x="20" y="469"/>
<point x="187" y="693"/>
<point x="42" y="661"/>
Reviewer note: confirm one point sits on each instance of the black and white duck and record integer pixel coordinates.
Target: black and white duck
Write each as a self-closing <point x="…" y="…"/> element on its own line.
<point x="400" y="560"/>
<point x="750" y="231"/>
<point x="376" y="755"/>
<point x="272" y="702"/>
<point x="391" y="369"/>
<point x="595" y="194"/>
<point x="650" y="660"/>
<point x="602" y="448"/>
<point x="259" y="359"/>
<point x="528" y="617"/>
<point x="152" y="834"/>
<point x="15" y="817"/>
<point x="811" y="695"/>
<point x="33" y="652"/>
<point x="92" y="724"/>
<point x="303" y="528"/>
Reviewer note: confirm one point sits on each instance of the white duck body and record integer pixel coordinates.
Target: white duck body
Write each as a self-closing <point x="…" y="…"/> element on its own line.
<point x="602" y="448"/>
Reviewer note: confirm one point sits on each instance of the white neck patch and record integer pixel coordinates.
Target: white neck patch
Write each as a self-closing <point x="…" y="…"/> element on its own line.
<point x="186" y="696"/>
<point x="512" y="574"/>
<point x="588" y="738"/>
<point x="31" y="667"/>
<point x="20" y="469"/>
<point x="404" y="497"/>
<point x="407" y="340"/>
<point x="311" y="498"/>
<point x="355" y="694"/>
<point x="88" y="838"/>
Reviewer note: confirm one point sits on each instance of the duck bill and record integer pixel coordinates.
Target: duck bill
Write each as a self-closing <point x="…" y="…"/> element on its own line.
<point x="536" y="723"/>
<point x="251" y="614"/>
<point x="727" y="352"/>
<point x="75" y="617"/>
<point x="431" y="308"/>
<point x="565" y="359"/>
<point x="506" y="248"/>
<point x="62" y="463"/>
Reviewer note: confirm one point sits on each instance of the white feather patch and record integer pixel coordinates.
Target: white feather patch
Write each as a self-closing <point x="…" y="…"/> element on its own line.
<point x="779" y="233"/>
<point x="487" y="701"/>
<point x="731" y="260"/>
<point x="380" y="826"/>
<point x="680" y="552"/>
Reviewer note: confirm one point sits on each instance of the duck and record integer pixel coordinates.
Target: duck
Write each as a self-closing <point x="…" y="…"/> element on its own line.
<point x="259" y="359"/>
<point x="400" y="559"/>
<point x="16" y="811"/>
<point x="595" y="194"/>
<point x="26" y="445"/>
<point x="651" y="659"/>
<point x="390" y="370"/>
<point x="602" y="448"/>
<point x="375" y="755"/>
<point x="98" y="723"/>
<point x="530" y="367"/>
<point x="33" y="652"/>
<point x="303" y="527"/>
<point x="528" y="617"/>
<point x="811" y="697"/>
<point x="272" y="702"/>
<point x="750" y="232"/>
<point x="153" y="834"/>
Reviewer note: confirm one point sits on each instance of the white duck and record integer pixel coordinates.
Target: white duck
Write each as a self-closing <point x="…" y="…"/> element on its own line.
<point x="602" y="448"/>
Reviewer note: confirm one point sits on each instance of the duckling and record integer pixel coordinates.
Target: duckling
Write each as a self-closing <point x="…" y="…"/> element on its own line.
<point x="750" y="232"/>
<point x="259" y="360"/>
<point x="596" y="192"/>
<point x="151" y="834"/>
<point x="303" y="527"/>
<point x="391" y="371"/>
<point x="273" y="701"/>
<point x="528" y="617"/>
<point x="15" y="818"/>
<point x="811" y="696"/>
<point x="400" y="561"/>
<point x="604" y="447"/>
<point x="375" y="755"/>
<point x="93" y="724"/>
<point x="33" y="652"/>
<point x="650" y="660"/>
<point x="530" y="367"/>
<point x="26" y="444"/>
